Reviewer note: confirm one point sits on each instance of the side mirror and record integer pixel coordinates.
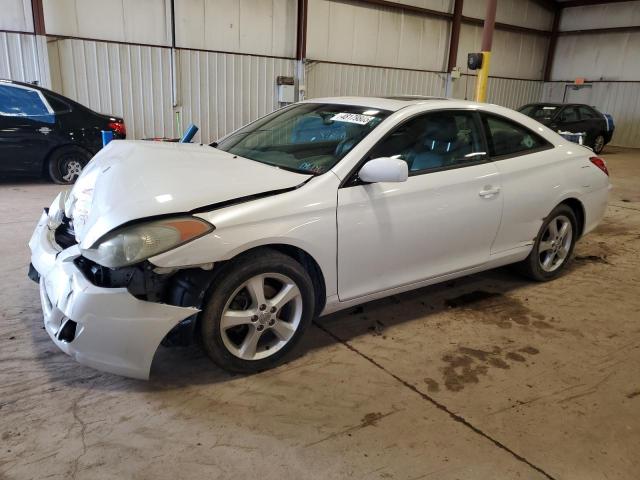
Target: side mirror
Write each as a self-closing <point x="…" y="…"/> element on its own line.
<point x="384" y="169"/>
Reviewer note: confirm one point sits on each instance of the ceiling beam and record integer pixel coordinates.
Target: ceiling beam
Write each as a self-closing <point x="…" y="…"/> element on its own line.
<point x="584" y="3"/>
<point x="595" y="31"/>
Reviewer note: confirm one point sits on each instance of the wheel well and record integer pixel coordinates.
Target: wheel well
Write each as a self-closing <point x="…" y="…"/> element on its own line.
<point x="578" y="210"/>
<point x="309" y="264"/>
<point x="47" y="158"/>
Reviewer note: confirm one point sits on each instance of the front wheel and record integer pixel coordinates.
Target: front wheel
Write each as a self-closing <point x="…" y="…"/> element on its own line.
<point x="257" y="311"/>
<point x="553" y="247"/>
<point x="66" y="164"/>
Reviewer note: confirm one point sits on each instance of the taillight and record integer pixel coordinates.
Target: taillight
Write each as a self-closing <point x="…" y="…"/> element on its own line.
<point x="118" y="128"/>
<point x="600" y="163"/>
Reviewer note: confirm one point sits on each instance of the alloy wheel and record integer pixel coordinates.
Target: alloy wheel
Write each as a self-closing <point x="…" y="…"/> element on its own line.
<point x="555" y="244"/>
<point x="598" y="144"/>
<point x="261" y="316"/>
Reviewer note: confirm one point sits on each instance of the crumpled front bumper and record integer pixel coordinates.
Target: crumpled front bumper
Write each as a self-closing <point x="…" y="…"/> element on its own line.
<point x="114" y="331"/>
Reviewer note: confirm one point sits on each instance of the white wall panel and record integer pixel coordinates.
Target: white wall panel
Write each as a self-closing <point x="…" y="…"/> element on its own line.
<point x="620" y="99"/>
<point x="506" y="92"/>
<point x="607" y="56"/>
<point x="262" y="27"/>
<point x="16" y="15"/>
<point x="23" y="57"/>
<point x="623" y="14"/>
<point x="135" y="21"/>
<point x="327" y="80"/>
<point x="127" y="80"/>
<point x="517" y="55"/>
<point x="220" y="92"/>
<point x="370" y="35"/>
<point x="525" y="13"/>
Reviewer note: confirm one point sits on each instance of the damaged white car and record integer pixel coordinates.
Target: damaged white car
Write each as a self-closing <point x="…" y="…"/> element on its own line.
<point x="316" y="207"/>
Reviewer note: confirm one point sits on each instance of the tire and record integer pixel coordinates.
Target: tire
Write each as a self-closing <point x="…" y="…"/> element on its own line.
<point x="66" y="164"/>
<point x="236" y="313"/>
<point x="598" y="143"/>
<point x="551" y="252"/>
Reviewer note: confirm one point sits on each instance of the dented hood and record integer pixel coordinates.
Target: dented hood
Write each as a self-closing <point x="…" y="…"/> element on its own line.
<point x="130" y="180"/>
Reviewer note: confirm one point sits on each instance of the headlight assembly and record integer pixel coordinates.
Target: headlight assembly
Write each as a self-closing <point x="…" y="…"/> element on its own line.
<point x="135" y="243"/>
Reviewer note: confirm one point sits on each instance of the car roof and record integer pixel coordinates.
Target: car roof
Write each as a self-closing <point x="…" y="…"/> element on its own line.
<point x="396" y="102"/>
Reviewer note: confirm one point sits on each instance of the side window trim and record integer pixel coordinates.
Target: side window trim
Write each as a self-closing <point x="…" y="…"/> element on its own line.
<point x="487" y="133"/>
<point x="352" y="180"/>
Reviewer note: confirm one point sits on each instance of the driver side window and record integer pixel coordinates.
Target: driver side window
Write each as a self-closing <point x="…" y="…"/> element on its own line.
<point x="434" y="141"/>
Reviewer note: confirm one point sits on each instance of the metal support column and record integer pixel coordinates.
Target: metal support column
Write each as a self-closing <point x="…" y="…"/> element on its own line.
<point x="487" y="40"/>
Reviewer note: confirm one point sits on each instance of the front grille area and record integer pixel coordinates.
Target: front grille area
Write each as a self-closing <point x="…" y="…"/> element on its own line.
<point x="65" y="236"/>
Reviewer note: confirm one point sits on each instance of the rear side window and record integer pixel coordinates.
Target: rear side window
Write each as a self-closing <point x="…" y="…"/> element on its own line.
<point x="58" y="105"/>
<point x="18" y="101"/>
<point x="587" y="113"/>
<point x="569" y="114"/>
<point x="506" y="137"/>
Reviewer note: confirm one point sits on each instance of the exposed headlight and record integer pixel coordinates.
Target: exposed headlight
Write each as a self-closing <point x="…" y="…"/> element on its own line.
<point x="132" y="244"/>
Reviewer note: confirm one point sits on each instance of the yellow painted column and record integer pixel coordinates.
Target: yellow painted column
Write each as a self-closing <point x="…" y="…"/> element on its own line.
<point x="483" y="78"/>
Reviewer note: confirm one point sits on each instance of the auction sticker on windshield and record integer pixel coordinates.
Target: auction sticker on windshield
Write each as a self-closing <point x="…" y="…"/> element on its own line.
<point x="352" y="118"/>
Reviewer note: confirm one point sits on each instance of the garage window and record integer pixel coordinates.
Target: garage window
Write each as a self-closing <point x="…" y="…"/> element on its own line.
<point x="508" y="139"/>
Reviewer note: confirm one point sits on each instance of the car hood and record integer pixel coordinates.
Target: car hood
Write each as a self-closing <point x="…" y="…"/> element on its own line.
<point x="129" y="180"/>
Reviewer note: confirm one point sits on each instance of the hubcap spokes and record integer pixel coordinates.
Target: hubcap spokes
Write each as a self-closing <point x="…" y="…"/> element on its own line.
<point x="555" y="244"/>
<point x="261" y="316"/>
<point x="72" y="169"/>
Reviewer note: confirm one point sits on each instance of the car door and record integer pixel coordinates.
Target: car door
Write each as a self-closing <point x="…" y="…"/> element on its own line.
<point x="27" y="124"/>
<point x="443" y="219"/>
<point x="530" y="174"/>
<point x="569" y="120"/>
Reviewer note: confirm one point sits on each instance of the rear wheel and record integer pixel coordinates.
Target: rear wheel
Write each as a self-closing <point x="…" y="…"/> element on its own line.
<point x="66" y="164"/>
<point x="257" y="311"/>
<point x="553" y="247"/>
<point x="598" y="143"/>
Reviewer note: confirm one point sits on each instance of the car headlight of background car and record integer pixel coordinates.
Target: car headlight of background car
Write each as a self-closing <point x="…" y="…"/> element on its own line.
<point x="135" y="243"/>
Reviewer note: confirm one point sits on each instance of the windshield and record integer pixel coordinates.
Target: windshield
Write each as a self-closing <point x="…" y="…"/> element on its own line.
<point x="306" y="137"/>
<point x="540" y="112"/>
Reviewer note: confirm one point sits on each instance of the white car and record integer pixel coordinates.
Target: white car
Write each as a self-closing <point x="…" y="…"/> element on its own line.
<point x="317" y="207"/>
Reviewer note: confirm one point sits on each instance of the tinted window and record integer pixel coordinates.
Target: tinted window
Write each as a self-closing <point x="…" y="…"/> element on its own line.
<point x="540" y="112"/>
<point x="433" y="141"/>
<point x="569" y="114"/>
<point x="307" y="137"/>
<point x="57" y="104"/>
<point x="509" y="138"/>
<point x="21" y="102"/>
<point x="588" y="113"/>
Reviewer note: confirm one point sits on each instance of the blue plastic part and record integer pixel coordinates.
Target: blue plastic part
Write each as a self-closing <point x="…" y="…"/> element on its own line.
<point x="107" y="136"/>
<point x="189" y="134"/>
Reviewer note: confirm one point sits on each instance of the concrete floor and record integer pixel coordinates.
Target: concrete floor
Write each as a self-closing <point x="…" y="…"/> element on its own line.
<point x="488" y="377"/>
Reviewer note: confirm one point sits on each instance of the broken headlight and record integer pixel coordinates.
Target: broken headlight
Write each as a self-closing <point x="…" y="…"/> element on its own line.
<point x="135" y="243"/>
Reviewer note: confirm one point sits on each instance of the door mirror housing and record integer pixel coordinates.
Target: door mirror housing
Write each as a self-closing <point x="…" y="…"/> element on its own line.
<point x="384" y="169"/>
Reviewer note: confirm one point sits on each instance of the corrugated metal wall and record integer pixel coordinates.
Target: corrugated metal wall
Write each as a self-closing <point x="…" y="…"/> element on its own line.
<point x="220" y="92"/>
<point x="330" y="79"/>
<point x="23" y="57"/>
<point x="620" y="99"/>
<point x="327" y="79"/>
<point x="128" y="80"/>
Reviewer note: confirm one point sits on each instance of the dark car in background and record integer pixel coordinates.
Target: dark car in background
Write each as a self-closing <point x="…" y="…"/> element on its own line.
<point x="44" y="133"/>
<point x="575" y="118"/>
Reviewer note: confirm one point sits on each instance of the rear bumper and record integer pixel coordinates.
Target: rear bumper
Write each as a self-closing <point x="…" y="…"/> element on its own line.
<point x="105" y="328"/>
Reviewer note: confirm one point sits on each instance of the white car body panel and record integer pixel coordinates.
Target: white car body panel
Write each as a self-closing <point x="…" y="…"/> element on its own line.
<point x="140" y="179"/>
<point x="368" y="240"/>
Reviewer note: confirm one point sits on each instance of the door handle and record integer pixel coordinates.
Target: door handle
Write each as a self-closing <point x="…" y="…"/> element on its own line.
<point x="489" y="191"/>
